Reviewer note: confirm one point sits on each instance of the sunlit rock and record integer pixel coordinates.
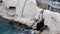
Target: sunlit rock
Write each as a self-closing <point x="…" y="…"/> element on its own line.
<point x="23" y="21"/>
<point x="26" y="9"/>
<point x="52" y="20"/>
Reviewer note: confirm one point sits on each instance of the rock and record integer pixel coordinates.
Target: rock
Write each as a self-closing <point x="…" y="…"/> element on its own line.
<point x="9" y="3"/>
<point x="23" y="21"/>
<point x="30" y="23"/>
<point x="16" y="19"/>
<point x="52" y="20"/>
<point x="27" y="22"/>
<point x="26" y="9"/>
<point x="34" y="26"/>
<point x="46" y="32"/>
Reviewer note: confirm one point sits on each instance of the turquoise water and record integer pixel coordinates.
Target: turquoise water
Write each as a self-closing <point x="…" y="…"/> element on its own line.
<point x="8" y="27"/>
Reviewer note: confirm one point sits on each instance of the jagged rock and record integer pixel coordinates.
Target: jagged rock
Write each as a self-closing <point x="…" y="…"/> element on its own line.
<point x="52" y="20"/>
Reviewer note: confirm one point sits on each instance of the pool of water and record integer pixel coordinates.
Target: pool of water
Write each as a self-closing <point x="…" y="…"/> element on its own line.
<point x="12" y="27"/>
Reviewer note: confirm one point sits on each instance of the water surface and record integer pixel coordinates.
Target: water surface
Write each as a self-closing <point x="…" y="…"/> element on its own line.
<point x="12" y="27"/>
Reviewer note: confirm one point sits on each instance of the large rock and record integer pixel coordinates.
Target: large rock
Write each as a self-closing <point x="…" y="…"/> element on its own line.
<point x="26" y="9"/>
<point x="52" y="20"/>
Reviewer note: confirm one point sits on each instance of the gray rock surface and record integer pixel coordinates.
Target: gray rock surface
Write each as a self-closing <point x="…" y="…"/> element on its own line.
<point x="26" y="9"/>
<point x="9" y="3"/>
<point x="52" y="20"/>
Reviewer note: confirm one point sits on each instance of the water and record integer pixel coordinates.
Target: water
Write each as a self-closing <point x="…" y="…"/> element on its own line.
<point x="11" y="27"/>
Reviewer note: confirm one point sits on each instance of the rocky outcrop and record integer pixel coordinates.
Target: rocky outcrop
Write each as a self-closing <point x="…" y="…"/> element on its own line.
<point x="52" y="20"/>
